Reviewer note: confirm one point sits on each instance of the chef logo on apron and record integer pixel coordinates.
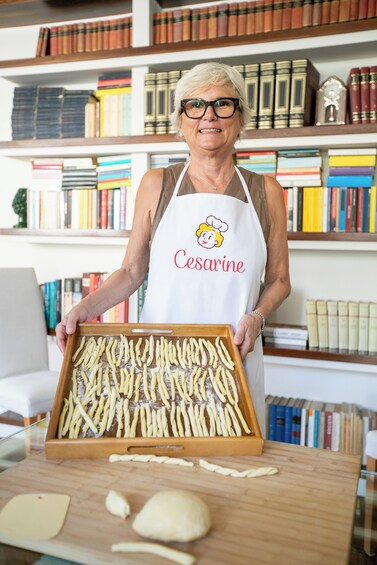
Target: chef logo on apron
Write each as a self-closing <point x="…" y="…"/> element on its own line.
<point x="210" y="232"/>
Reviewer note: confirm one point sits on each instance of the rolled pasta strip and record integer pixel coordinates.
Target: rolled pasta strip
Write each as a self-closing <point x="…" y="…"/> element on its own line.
<point x="224" y="427"/>
<point x="154" y="424"/>
<point x="150" y="458"/>
<point x="154" y="383"/>
<point x="203" y="420"/>
<point x="113" y="399"/>
<point x="181" y="431"/>
<point x="132" y="353"/>
<point x="212" y="421"/>
<point x="191" y="381"/>
<point x="151" y="351"/>
<point x="86" y="417"/>
<point x="105" y="417"/>
<point x="113" y="352"/>
<point x="175" y="555"/>
<point x="99" y="411"/>
<point x="203" y="353"/>
<point x="164" y="422"/>
<point x="74" y="384"/>
<point x="69" y="414"/>
<point x="137" y="387"/>
<point x="248" y="473"/>
<point x="191" y="414"/>
<point x="228" y="421"/>
<point x="232" y="414"/>
<point x="172" y="385"/>
<point x="119" y="413"/>
<point x="207" y="344"/>
<point x="107" y="381"/>
<point x="186" y="419"/>
<point x="197" y="420"/>
<point x="91" y="416"/>
<point x="145" y="382"/>
<point x="143" y="422"/>
<point x="222" y="389"/>
<point x="227" y="355"/>
<point x="233" y="385"/>
<point x="145" y="351"/>
<point x="120" y="354"/>
<point x="126" y="412"/>
<point x="62" y="418"/>
<point x="224" y="379"/>
<point x="131" y="382"/>
<point x="79" y="349"/>
<point x="216" y="417"/>
<point x="126" y="348"/>
<point x="215" y="385"/>
<point x="203" y="386"/>
<point x="135" y="420"/>
<point x="149" y="420"/>
<point x="173" y="423"/>
<point x="242" y="419"/>
<point x="160" y="427"/>
<point x="138" y="352"/>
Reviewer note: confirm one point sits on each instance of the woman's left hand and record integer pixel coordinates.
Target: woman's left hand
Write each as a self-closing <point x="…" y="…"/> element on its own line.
<point x="248" y="330"/>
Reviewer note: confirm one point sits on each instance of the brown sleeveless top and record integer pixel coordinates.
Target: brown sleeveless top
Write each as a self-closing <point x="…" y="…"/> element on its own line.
<point x="254" y="182"/>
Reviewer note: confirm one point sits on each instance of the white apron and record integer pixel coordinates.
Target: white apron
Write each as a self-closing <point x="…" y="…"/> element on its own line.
<point x="207" y="259"/>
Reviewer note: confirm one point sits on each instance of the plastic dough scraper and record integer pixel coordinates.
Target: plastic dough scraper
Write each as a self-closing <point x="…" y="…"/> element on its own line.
<point x="34" y="516"/>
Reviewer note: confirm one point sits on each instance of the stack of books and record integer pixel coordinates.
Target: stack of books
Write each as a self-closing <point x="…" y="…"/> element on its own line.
<point x="261" y="162"/>
<point x="284" y="335"/>
<point x="114" y="90"/>
<point x="24" y="112"/>
<point x="350" y="180"/>
<point x="326" y="425"/>
<point x="166" y="160"/>
<point x="159" y="89"/>
<point x="43" y="197"/>
<point x="344" y="326"/>
<point x="75" y="113"/>
<point x="299" y="167"/>
<point x="49" y="112"/>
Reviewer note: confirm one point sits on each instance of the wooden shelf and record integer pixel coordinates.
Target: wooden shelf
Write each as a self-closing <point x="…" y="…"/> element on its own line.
<point x="320" y="354"/>
<point x="205" y="44"/>
<point x="332" y="236"/>
<point x="64" y="233"/>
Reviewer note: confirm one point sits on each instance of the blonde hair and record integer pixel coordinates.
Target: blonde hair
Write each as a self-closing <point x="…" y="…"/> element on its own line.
<point x="202" y="77"/>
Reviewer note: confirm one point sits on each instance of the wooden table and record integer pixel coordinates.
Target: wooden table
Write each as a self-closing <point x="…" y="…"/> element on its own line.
<point x="304" y="514"/>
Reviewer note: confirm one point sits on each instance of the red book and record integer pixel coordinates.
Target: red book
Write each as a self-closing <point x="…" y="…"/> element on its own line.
<point x="233" y="19"/>
<point x="334" y="11"/>
<point x="325" y="12"/>
<point x="163" y="27"/>
<point x="127" y="32"/>
<point x="105" y="34"/>
<point x="371" y="9"/>
<point x="203" y="23"/>
<point x="373" y="95"/>
<point x="103" y="194"/>
<point x="328" y="427"/>
<point x="364" y="94"/>
<point x="354" y="9"/>
<point x="250" y="18"/>
<point x="259" y="16"/>
<point x="186" y="24"/>
<point x="85" y="284"/>
<point x="267" y="15"/>
<point x="54" y="40"/>
<point x="212" y="21"/>
<point x="87" y="38"/>
<point x="363" y="10"/>
<point x="307" y="13"/>
<point x="195" y="24"/>
<point x="94" y="32"/>
<point x="316" y="17"/>
<point x="297" y="14"/>
<point x="344" y="11"/>
<point x="38" y="51"/>
<point x="277" y="15"/>
<point x="286" y="21"/>
<point x="170" y="26"/>
<point x="242" y="18"/>
<point x="222" y="19"/>
<point x="156" y="27"/>
<point x="354" y="96"/>
<point x="177" y="25"/>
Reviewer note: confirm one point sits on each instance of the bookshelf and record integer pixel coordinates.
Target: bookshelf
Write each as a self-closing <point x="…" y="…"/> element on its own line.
<point x="319" y="263"/>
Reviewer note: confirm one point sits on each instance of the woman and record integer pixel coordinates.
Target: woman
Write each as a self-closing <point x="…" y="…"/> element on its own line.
<point x="207" y="231"/>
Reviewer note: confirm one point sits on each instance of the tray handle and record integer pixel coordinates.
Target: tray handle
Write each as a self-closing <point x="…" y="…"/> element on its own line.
<point x="151" y="331"/>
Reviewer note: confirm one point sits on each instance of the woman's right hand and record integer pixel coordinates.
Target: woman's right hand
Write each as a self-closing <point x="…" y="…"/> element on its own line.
<point x="68" y="325"/>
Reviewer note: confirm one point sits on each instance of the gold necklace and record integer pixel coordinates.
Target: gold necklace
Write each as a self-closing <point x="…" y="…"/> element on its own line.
<point x="212" y="186"/>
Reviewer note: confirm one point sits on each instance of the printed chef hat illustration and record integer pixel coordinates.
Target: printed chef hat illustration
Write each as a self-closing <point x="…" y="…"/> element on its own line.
<point x="217" y="224"/>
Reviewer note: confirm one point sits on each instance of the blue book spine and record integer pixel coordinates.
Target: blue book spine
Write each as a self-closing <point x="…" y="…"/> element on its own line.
<point x="342" y="213"/>
<point x="52" y="306"/>
<point x="272" y="422"/>
<point x="316" y="424"/>
<point x="351" y="180"/>
<point x="46" y="302"/>
<point x="280" y="422"/>
<point x="296" y="425"/>
<point x="288" y="424"/>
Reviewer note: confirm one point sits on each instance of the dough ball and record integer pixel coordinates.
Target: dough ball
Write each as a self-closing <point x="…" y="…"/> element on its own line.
<point x="173" y="515"/>
<point x="117" y="504"/>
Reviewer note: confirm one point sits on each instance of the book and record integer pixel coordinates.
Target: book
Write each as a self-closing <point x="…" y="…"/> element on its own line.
<point x="332" y="318"/>
<point x="343" y="325"/>
<point x="282" y="94"/>
<point x="304" y="85"/>
<point x="277" y="16"/>
<point x="372" y="330"/>
<point x="354" y="96"/>
<point x="251" y="77"/>
<point x="268" y="15"/>
<point x="150" y="103"/>
<point x="312" y="323"/>
<point x="364" y="95"/>
<point x="373" y="95"/>
<point x="307" y="13"/>
<point x="297" y="14"/>
<point x="363" y="329"/>
<point x="285" y="330"/>
<point x="266" y="97"/>
<point x="162" y="117"/>
<point x="353" y="326"/>
<point x="280" y="419"/>
<point x="322" y="322"/>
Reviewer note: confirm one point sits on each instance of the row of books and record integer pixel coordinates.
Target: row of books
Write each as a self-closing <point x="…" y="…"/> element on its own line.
<point x="227" y="19"/>
<point x="114" y="110"/>
<point x="61" y="295"/>
<point x="41" y="112"/>
<point x="79" y="209"/>
<point x="340" y="325"/>
<point x="362" y="88"/>
<point x="331" y="209"/>
<point x="280" y="94"/>
<point x="85" y="37"/>
<point x="325" y="425"/>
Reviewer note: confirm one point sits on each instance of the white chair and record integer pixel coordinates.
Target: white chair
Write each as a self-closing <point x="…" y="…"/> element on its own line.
<point x="27" y="386"/>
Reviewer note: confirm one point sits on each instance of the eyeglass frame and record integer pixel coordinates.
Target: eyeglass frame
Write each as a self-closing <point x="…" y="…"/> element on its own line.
<point x="207" y="103"/>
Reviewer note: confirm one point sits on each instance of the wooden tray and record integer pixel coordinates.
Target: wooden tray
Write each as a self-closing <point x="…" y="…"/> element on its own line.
<point x="93" y="447"/>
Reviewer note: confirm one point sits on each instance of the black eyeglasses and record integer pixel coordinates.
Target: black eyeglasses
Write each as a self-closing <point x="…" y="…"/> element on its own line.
<point x="195" y="108"/>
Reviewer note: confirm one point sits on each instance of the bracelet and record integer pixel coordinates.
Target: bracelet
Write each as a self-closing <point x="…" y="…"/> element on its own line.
<point x="262" y="318"/>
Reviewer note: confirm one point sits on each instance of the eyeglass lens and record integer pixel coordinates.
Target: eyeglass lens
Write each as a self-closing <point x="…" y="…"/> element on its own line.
<point x="223" y="107"/>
